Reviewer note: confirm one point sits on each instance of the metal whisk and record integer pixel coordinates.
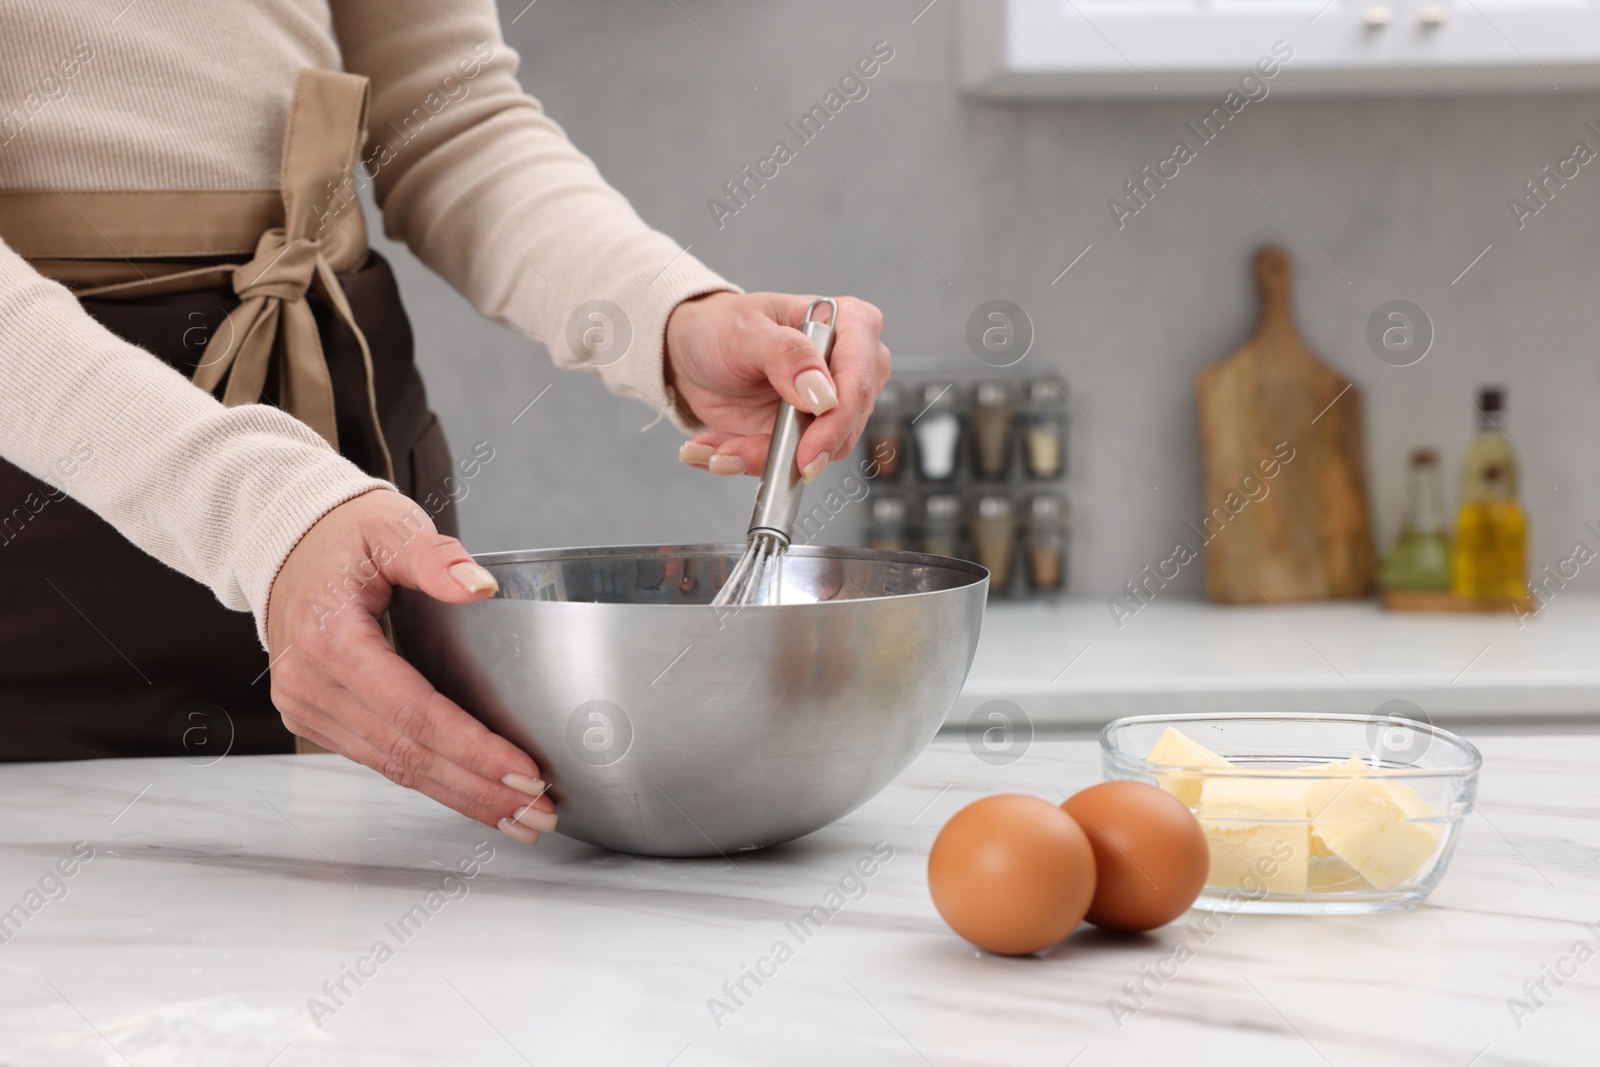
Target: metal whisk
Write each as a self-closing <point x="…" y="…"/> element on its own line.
<point x="758" y="576"/>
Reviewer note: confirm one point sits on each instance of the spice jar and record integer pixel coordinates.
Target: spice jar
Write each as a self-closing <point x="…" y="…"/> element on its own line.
<point x="887" y="528"/>
<point x="941" y="528"/>
<point x="937" y="430"/>
<point x="1044" y="428"/>
<point x="886" y="433"/>
<point x="991" y="429"/>
<point x="993" y="539"/>
<point x="1046" y="541"/>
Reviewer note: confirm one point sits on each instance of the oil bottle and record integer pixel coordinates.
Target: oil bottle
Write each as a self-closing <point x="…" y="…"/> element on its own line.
<point x="1491" y="546"/>
<point x="1420" y="558"/>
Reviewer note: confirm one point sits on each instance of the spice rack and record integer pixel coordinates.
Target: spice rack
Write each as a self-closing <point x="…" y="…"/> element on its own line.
<point x="974" y="469"/>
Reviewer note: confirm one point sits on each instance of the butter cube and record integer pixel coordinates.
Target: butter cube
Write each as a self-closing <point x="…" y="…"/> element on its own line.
<point x="1364" y="821"/>
<point x="1319" y="847"/>
<point x="1257" y="833"/>
<point x="1176" y="750"/>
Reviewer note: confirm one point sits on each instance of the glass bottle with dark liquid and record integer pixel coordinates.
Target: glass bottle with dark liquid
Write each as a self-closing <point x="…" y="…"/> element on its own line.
<point x="1491" y="547"/>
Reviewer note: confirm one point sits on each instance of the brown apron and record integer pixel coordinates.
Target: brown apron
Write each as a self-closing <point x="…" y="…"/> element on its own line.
<point x="104" y="651"/>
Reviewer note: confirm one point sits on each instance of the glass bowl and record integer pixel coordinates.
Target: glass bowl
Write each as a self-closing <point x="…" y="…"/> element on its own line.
<point x="1295" y="825"/>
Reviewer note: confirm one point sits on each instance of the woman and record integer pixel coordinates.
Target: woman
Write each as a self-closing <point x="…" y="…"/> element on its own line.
<point x="178" y="191"/>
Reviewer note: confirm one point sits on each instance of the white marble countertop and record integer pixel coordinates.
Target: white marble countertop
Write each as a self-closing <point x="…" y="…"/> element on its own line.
<point x="1067" y="664"/>
<point x="220" y="899"/>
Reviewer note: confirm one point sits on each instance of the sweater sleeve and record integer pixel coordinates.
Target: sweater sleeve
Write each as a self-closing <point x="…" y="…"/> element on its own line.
<point x="489" y="192"/>
<point x="220" y="494"/>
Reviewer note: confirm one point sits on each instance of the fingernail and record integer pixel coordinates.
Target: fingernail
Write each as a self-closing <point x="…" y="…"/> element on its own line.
<point x="518" y="832"/>
<point x="535" y="819"/>
<point x="523" y="784"/>
<point x="721" y="464"/>
<point x="814" y="468"/>
<point x="695" y="454"/>
<point x="473" y="577"/>
<point x="818" y="391"/>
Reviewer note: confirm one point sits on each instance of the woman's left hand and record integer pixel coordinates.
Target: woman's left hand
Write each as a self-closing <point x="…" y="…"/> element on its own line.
<point x="731" y="356"/>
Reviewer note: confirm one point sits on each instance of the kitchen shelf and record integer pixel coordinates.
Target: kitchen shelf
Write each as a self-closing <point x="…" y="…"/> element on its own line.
<point x="1192" y="656"/>
<point x="1056" y="49"/>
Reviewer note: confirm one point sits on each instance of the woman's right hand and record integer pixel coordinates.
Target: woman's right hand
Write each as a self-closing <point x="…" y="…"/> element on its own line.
<point x="337" y="681"/>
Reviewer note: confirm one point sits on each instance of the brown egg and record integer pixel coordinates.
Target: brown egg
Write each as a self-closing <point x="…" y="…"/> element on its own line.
<point x="1012" y="874"/>
<point x="1149" y="851"/>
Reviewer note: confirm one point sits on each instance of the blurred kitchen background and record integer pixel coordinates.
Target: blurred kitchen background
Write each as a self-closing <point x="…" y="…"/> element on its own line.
<point x="928" y="200"/>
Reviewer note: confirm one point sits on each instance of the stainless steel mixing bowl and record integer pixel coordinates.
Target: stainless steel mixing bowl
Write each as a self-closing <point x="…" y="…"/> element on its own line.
<point x="669" y="727"/>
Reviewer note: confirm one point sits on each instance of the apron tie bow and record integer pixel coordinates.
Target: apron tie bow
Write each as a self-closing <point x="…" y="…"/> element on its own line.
<point x="272" y="290"/>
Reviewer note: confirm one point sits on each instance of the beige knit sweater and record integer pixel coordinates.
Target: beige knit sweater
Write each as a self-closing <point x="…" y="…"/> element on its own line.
<point x="162" y="94"/>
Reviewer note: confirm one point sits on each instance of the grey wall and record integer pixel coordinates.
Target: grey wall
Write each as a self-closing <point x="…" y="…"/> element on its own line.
<point x="1398" y="195"/>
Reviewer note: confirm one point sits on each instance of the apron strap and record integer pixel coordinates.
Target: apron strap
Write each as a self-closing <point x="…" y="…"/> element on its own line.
<point x="96" y="228"/>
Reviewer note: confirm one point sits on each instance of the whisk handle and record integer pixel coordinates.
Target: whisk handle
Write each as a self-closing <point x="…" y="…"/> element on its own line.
<point x="778" y="499"/>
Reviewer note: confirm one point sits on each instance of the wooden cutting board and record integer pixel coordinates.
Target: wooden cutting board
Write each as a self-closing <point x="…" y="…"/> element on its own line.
<point x="1281" y="529"/>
